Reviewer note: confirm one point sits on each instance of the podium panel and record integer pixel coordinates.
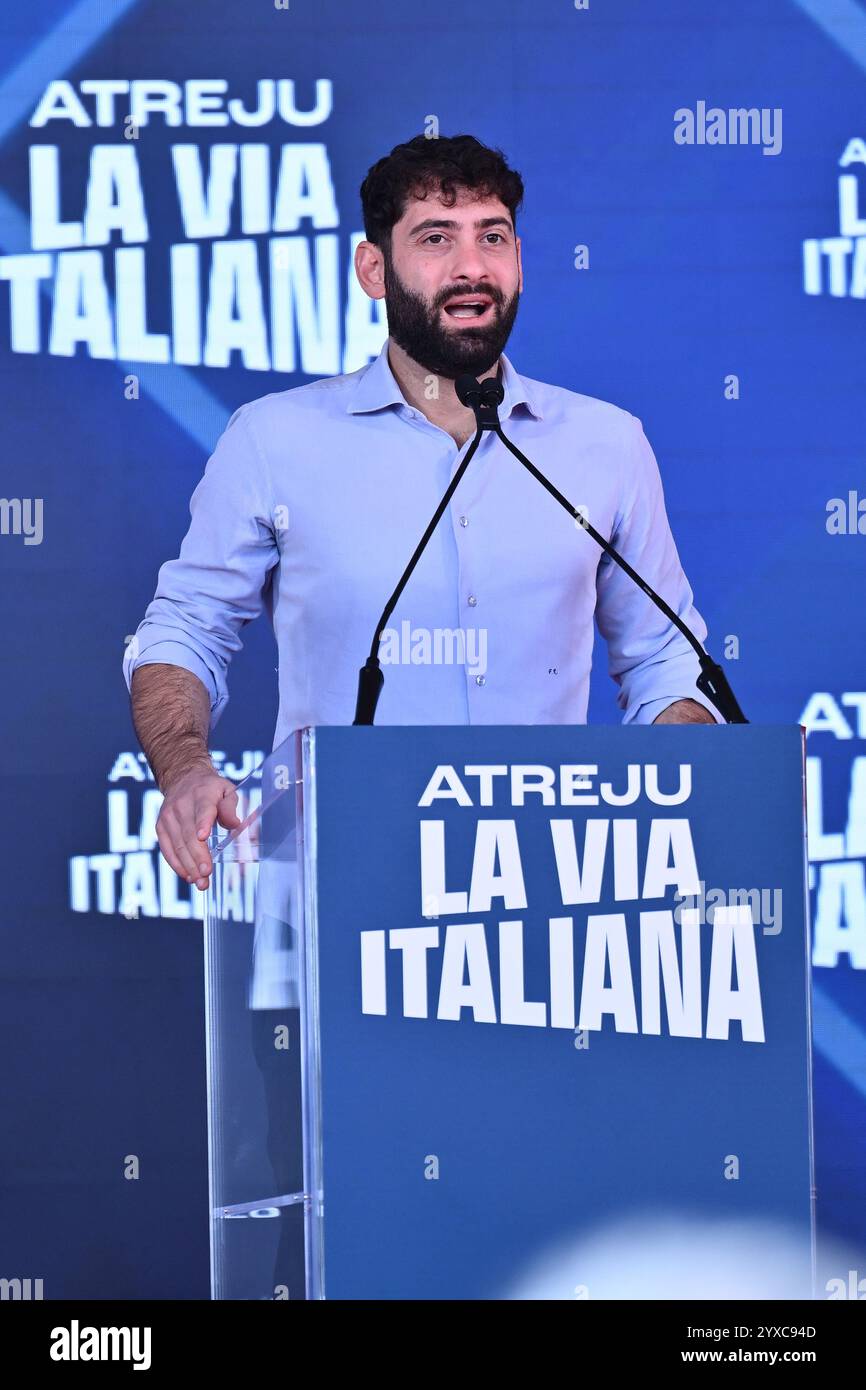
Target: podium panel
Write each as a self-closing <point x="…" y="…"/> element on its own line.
<point x="253" y="1020"/>
<point x="547" y="1027"/>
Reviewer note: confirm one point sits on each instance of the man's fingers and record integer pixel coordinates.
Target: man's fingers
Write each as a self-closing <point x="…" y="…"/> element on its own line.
<point x="227" y="810"/>
<point x="191" y="820"/>
<point x="203" y="820"/>
<point x="185" y="847"/>
<point x="187" y="819"/>
<point x="174" y="851"/>
<point x="167" y="849"/>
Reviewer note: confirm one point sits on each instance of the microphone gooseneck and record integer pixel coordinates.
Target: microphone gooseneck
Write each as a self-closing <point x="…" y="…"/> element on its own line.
<point x="484" y="398"/>
<point x="371" y="677"/>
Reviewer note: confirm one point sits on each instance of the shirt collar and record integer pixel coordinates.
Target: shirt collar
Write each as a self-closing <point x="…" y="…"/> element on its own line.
<point x="377" y="388"/>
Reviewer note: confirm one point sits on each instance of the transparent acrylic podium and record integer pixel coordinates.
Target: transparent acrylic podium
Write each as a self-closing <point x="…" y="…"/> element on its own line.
<point x="261" y="1208"/>
<point x="463" y="1099"/>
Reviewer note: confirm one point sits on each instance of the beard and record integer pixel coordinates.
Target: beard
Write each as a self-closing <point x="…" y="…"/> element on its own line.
<point x="416" y="326"/>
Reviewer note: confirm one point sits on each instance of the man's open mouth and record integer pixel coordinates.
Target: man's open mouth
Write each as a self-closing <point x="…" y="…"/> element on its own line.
<point x="472" y="307"/>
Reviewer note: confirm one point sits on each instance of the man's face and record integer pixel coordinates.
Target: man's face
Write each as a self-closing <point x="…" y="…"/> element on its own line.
<point x="452" y="283"/>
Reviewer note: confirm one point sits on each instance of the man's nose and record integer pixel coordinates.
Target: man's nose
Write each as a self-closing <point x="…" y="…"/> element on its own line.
<point x="467" y="263"/>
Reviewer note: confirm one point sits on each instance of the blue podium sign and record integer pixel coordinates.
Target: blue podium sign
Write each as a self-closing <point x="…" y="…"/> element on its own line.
<point x="556" y="979"/>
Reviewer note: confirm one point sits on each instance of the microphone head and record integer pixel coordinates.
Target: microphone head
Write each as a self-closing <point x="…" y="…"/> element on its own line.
<point x="468" y="391"/>
<point x="492" y="391"/>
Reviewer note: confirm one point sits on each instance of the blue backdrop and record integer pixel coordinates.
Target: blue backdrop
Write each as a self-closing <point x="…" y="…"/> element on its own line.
<point x="718" y="298"/>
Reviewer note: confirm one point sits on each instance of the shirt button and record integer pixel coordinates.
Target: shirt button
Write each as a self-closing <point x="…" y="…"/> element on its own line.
<point x="480" y="680"/>
<point x="464" y="521"/>
<point x="472" y="600"/>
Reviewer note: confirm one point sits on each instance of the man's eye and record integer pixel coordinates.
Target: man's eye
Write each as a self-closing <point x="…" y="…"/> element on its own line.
<point x="432" y="235"/>
<point x="498" y="235"/>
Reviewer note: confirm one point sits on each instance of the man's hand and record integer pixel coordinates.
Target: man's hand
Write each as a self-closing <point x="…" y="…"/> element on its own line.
<point x="171" y="711"/>
<point x="685" y="712"/>
<point x="192" y="803"/>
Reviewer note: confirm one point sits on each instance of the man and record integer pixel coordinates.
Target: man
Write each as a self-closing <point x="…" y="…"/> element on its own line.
<point x="315" y="498"/>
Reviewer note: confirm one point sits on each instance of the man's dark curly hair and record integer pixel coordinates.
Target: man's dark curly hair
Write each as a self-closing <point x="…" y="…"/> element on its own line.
<point x="441" y="166"/>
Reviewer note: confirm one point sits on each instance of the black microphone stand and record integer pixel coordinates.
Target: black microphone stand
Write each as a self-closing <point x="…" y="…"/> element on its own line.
<point x="371" y="677"/>
<point x="712" y="680"/>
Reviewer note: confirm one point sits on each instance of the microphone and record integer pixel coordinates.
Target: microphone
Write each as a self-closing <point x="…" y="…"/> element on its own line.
<point x="484" y="399"/>
<point x="371" y="677"/>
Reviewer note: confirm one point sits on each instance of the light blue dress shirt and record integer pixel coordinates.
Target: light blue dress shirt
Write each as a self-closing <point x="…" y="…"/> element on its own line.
<point x="312" y="503"/>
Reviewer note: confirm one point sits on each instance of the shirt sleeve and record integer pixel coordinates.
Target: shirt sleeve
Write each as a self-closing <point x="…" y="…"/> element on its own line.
<point x="206" y="596"/>
<point x="648" y="658"/>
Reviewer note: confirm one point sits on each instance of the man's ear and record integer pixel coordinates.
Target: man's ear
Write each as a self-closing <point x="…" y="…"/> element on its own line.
<point x="517" y="243"/>
<point x="370" y="269"/>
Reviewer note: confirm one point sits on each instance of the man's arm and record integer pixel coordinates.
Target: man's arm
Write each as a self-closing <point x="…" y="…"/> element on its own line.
<point x="685" y="712"/>
<point x="176" y="666"/>
<point x="171" y="714"/>
<point x="650" y="660"/>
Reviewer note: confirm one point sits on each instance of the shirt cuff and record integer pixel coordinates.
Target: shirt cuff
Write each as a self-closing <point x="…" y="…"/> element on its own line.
<point x="175" y="654"/>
